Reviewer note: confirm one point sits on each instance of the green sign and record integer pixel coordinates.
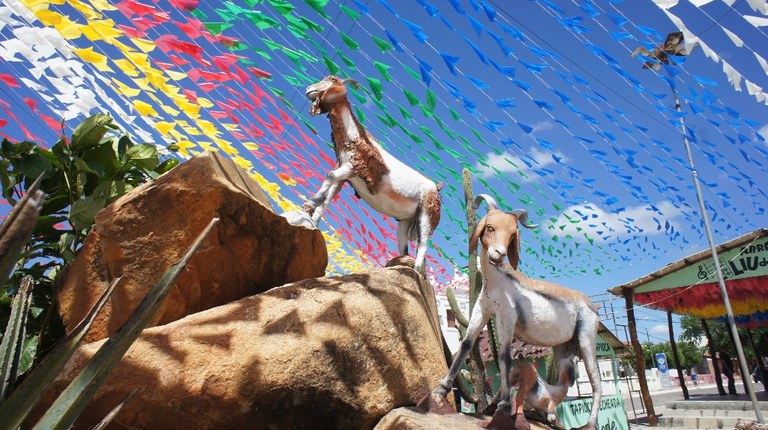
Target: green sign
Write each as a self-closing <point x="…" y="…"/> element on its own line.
<point x="612" y="415"/>
<point x="603" y="347"/>
<point x="744" y="262"/>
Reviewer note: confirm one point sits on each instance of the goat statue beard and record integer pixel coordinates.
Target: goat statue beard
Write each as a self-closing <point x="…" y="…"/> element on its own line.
<point x="316" y="107"/>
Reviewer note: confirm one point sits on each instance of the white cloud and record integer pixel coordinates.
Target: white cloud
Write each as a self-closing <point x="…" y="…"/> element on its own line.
<point x="660" y="329"/>
<point x="543" y="126"/>
<point x="763" y="131"/>
<point x="599" y="224"/>
<point x="536" y="159"/>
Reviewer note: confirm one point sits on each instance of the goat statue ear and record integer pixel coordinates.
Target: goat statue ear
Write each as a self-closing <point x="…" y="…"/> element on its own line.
<point x="334" y="94"/>
<point x="476" y="235"/>
<point x="513" y="251"/>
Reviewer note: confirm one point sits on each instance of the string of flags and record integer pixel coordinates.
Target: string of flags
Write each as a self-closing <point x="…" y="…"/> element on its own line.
<point x="577" y="132"/>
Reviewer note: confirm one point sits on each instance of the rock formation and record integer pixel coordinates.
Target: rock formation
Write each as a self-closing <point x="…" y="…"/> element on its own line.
<point x="412" y="418"/>
<point x="335" y="353"/>
<point x="141" y="234"/>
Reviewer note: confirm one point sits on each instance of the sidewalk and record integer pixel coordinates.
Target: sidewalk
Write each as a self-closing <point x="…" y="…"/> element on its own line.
<point x="708" y="393"/>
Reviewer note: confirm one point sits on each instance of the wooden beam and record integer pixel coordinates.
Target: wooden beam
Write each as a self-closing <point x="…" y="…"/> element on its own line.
<point x="653" y="420"/>
<point x="673" y="344"/>
<point x="715" y="364"/>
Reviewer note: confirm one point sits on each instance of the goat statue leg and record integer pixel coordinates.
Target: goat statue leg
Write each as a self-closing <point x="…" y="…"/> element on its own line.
<point x="423" y="231"/>
<point x="477" y="322"/>
<point x="586" y="334"/>
<point x="506" y="320"/>
<point x="403" y="227"/>
<point x="328" y="190"/>
<point x="436" y="401"/>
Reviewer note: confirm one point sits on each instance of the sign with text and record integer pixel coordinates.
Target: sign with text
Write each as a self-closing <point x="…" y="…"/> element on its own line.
<point x="602" y="346"/>
<point x="663" y="366"/>
<point x="737" y="263"/>
<point x="612" y="415"/>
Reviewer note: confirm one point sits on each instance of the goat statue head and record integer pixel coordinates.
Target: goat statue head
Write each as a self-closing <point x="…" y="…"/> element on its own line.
<point x="326" y="92"/>
<point x="498" y="232"/>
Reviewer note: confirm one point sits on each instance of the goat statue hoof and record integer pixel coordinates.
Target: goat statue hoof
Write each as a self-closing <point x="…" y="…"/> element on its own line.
<point x="309" y="208"/>
<point x="502" y="420"/>
<point x="437" y="402"/>
<point x="299" y="218"/>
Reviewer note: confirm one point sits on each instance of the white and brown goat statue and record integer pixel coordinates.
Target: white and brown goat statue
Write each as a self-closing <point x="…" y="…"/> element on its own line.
<point x="383" y="181"/>
<point x="537" y="312"/>
<point x="540" y="395"/>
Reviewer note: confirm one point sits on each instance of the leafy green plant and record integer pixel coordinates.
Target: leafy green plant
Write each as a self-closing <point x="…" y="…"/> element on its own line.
<point x="80" y="176"/>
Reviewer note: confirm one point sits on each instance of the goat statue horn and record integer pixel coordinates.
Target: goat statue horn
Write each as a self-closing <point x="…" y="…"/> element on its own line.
<point x="488" y="199"/>
<point x="522" y="217"/>
<point x="351" y="81"/>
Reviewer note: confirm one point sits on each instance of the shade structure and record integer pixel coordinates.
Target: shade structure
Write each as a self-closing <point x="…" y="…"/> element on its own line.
<point x="689" y="286"/>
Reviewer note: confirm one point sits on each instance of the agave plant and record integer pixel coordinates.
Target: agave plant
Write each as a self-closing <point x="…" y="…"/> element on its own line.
<point x="71" y="402"/>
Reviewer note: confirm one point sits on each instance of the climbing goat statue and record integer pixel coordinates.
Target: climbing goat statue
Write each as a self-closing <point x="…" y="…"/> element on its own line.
<point x="383" y="181"/>
<point x="537" y="312"/>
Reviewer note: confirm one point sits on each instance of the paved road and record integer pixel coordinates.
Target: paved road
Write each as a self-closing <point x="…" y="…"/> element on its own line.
<point x="639" y="420"/>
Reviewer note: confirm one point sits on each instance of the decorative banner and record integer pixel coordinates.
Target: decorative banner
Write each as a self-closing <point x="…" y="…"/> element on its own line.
<point x="690" y="286"/>
<point x="562" y="123"/>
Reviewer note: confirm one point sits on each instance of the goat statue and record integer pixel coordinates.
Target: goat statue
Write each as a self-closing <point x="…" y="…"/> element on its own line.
<point x="534" y="311"/>
<point x="383" y="181"/>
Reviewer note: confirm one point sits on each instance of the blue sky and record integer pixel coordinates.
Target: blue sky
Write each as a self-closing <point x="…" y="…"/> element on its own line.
<point x="541" y="99"/>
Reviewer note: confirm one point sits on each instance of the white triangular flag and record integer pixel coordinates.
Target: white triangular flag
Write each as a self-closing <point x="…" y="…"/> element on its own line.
<point x="763" y="63"/>
<point x="700" y="3"/>
<point x="756" y="20"/>
<point x="665" y="4"/>
<point x="734" y="38"/>
<point x="734" y="77"/>
<point x="759" y="6"/>
<point x="708" y="52"/>
<point x="752" y="89"/>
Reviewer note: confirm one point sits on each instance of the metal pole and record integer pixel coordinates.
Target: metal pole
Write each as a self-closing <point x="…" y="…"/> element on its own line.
<point x="716" y="260"/>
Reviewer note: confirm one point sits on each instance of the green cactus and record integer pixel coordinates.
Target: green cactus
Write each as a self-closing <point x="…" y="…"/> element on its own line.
<point x="475" y="362"/>
<point x="457" y="313"/>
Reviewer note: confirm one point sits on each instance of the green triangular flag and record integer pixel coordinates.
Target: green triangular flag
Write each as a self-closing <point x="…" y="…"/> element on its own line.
<point x="382" y="44"/>
<point x="384" y="70"/>
<point x="216" y="27"/>
<point x="431" y="100"/>
<point x="318" y="6"/>
<point x="349" y="42"/>
<point x="352" y="14"/>
<point x="405" y="113"/>
<point x="333" y="68"/>
<point x="375" y="85"/>
<point x="282" y="6"/>
<point x="412" y="100"/>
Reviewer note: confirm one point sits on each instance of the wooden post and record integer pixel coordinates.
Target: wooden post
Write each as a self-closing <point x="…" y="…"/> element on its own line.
<point x="653" y="420"/>
<point x="673" y="344"/>
<point x="715" y="364"/>
<point x="759" y="357"/>
<point x="744" y="382"/>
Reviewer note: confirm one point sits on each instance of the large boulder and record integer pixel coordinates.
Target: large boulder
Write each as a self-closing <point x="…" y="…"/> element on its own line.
<point x="144" y="232"/>
<point x="327" y="353"/>
<point x="412" y="418"/>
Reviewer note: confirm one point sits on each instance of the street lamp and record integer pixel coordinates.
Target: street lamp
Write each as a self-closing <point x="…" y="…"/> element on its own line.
<point x="674" y="45"/>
